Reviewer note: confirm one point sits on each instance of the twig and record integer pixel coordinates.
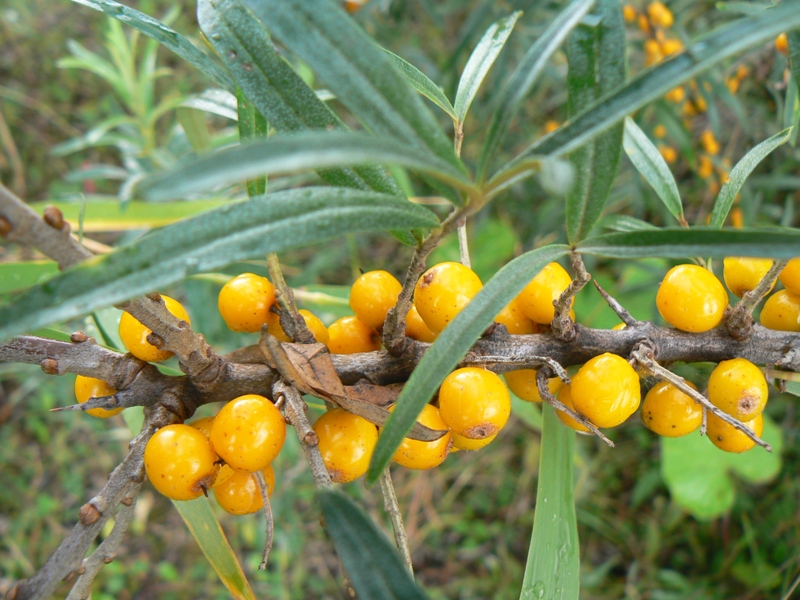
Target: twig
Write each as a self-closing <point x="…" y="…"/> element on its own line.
<point x="531" y="362"/>
<point x="739" y="321"/>
<point x="563" y="326"/>
<point x="292" y="322"/>
<point x="620" y="310"/>
<point x="463" y="244"/>
<point x="393" y="508"/>
<point x="270" y="525"/>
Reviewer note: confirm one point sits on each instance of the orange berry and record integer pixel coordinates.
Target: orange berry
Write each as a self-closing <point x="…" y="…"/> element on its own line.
<point x="659" y="131"/>
<point x="565" y="396"/>
<point x="474" y="402"/>
<point x="709" y="142"/>
<point x="669" y="412"/>
<point x="350" y="335"/>
<point x="238" y="493"/>
<point x="317" y="327"/>
<point x="676" y="95"/>
<point x="523" y="383"/>
<point x="629" y="13"/>
<point x="515" y="320"/>
<point x="744" y="274"/>
<point x="652" y="52"/>
<point x="739" y="388"/>
<point x="443" y="291"/>
<point x="89" y="387"/>
<point x="346" y="443"/>
<point x="705" y="167"/>
<point x="691" y="298"/>
<point x="415" y="454"/>
<point x="728" y="438"/>
<point x="244" y="302"/>
<point x="372" y="295"/>
<point x="790" y="276"/>
<point x="550" y="126"/>
<point x="644" y="24"/>
<point x="464" y="443"/>
<point x="606" y="390"/>
<point x="134" y="334"/>
<point x="782" y="44"/>
<point x="781" y="312"/>
<point x="671" y="46"/>
<point x="536" y="299"/>
<point x="660" y="15"/>
<point x="203" y="425"/>
<point x="416" y="328"/>
<point x="668" y="153"/>
<point x="180" y="462"/>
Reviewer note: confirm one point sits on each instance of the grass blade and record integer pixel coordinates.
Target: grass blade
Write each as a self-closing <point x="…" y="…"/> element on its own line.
<point x="422" y="83"/>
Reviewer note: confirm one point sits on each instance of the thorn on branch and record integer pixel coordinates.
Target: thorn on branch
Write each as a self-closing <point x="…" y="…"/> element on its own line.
<point x="392" y="507"/>
<point x="620" y="310"/>
<point x="270" y="525"/>
<point x="563" y="326"/>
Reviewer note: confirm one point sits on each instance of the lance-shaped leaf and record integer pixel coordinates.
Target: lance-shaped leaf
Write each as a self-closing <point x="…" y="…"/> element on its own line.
<point x="240" y="231"/>
<point x="793" y="37"/>
<point x="281" y="155"/>
<point x="596" y="56"/>
<point x="422" y="83"/>
<point x="452" y="344"/>
<point x="252" y="126"/>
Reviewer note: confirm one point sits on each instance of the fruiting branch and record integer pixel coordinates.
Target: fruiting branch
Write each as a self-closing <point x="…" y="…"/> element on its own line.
<point x="739" y="320"/>
<point x="270" y="524"/>
<point x="292" y="321"/>
<point x="563" y="325"/>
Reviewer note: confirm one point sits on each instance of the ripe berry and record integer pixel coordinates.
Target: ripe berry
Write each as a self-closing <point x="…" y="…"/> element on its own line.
<point x="180" y="462"/>
<point x="248" y="433"/>
<point x="415" y="454"/>
<point x="372" y="295"/>
<point x="536" y="298"/>
<point x="565" y="396"/>
<point x="203" y="425"/>
<point x="416" y="328"/>
<point x="515" y="320"/>
<point x="709" y="142"/>
<point x="739" y="388"/>
<point x="474" y="402"/>
<point x="238" y="493"/>
<point x="660" y="15"/>
<point x="443" y="291"/>
<point x="244" y="302"/>
<point x="782" y="44"/>
<point x="606" y="390"/>
<point x="464" y="443"/>
<point x="89" y="387"/>
<point x="726" y="437"/>
<point x="317" y="327"/>
<point x="691" y="298"/>
<point x="350" y="335"/>
<point x="790" y="276"/>
<point x="781" y="312"/>
<point x="669" y="412"/>
<point x="134" y="334"/>
<point x="629" y="13"/>
<point x="744" y="274"/>
<point x="523" y="383"/>
<point x="346" y="443"/>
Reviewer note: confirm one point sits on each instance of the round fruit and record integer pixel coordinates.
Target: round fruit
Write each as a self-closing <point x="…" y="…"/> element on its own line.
<point x="669" y="412"/>
<point x="244" y="302"/>
<point x="464" y="443"/>
<point x="565" y="396"/>
<point x="350" y="335"/>
<point x="660" y="15"/>
<point x="782" y="44"/>
<point x="606" y="390"/>
<point x="203" y="425"/>
<point x="726" y="437"/>
<point x="790" y="276"/>
<point x="89" y="387"/>
<point x="315" y="326"/>
<point x="248" y="433"/>
<point x="744" y="274"/>
<point x="372" y="295"/>
<point x="474" y="403"/>
<point x="782" y="312"/>
<point x="415" y="454"/>
<point x="536" y="299"/>
<point x="515" y="320"/>
<point x="443" y="291"/>
<point x="180" y="462"/>
<point x="346" y="442"/>
<point x="523" y="383"/>
<point x="739" y="388"/>
<point x="134" y="334"/>
<point x="691" y="298"/>
<point x="416" y="328"/>
<point x="238" y="494"/>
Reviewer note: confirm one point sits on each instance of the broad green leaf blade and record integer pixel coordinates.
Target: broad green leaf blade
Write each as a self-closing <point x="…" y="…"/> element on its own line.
<point x="240" y="231"/>
<point x="525" y="76"/>
<point x="252" y="126"/>
<point x="739" y="174"/>
<point x="20" y="275"/>
<point x="280" y="155"/>
<point x="370" y="560"/>
<point x="651" y="165"/>
<point x="422" y="83"/>
<point x="480" y="61"/>
<point x="452" y="344"/>
<point x="596" y="56"/>
<point x="698" y="241"/>
<point x="353" y="67"/>
<point x="165" y="35"/>
<point x="553" y="567"/>
<point x="207" y="532"/>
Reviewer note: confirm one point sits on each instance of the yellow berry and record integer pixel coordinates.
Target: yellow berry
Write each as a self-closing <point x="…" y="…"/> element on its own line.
<point x="644" y="24"/>
<point x="709" y="142"/>
<point x="691" y="298"/>
<point x="134" y="334"/>
<point x="676" y="95"/>
<point x="737" y="220"/>
<point x="739" y="388"/>
<point x="782" y="44"/>
<point x="565" y="396"/>
<point x="659" y="131"/>
<point x="464" y="443"/>
<point x="443" y="291"/>
<point x="781" y="312"/>
<point x="203" y="425"/>
<point x="550" y="126"/>
<point x="733" y="84"/>
<point x="726" y="437"/>
<point x="660" y="15"/>
<point x="671" y="46"/>
<point x="702" y="106"/>
<point x="743" y="274"/>
<point x="536" y="299"/>
<point x="523" y="383"/>
<point x="515" y="320"/>
<point x="180" y="462"/>
<point x="415" y="454"/>
<point x="790" y="276"/>
<point x="474" y="402"/>
<point x="353" y="6"/>
<point x="346" y="443"/>
<point x="372" y="295"/>
<point x="89" y="387"/>
<point x="629" y="13"/>
<point x="350" y="335"/>
<point x="705" y="167"/>
<point x="668" y="153"/>
<point x="238" y="493"/>
<point x="244" y="302"/>
<point x="606" y="390"/>
<point x="317" y="327"/>
<point x="416" y="328"/>
<point x="742" y="71"/>
<point x="652" y="51"/>
<point x="669" y="412"/>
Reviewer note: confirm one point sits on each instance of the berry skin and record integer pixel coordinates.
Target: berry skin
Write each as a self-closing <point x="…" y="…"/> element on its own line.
<point x="606" y="390"/>
<point x="474" y="403"/>
<point x="790" y="276"/>
<point x="248" y="433"/>
<point x="244" y="302"/>
<point x="203" y="425"/>
<point x="443" y="291"/>
<point x="709" y="142"/>
<point x="372" y="295"/>
<point x="743" y="274"/>
<point x="134" y="334"/>
<point x="669" y="412"/>
<point x="180" y="462"/>
<point x="346" y="443"/>
<point x="781" y="312"/>
<point x="565" y="396"/>
<point x="782" y="44"/>
<point x="515" y="320"/>
<point x="691" y="298"/>
<point x="89" y="387"/>
<point x="317" y="327"/>
<point x="739" y="388"/>
<point x="350" y="335"/>
<point x="629" y="13"/>
<point x="660" y="15"/>
<point x="415" y="454"/>
<point x="416" y="328"/>
<point x="464" y="443"/>
<point x="728" y="438"/>
<point x="238" y="493"/>
<point x="536" y="298"/>
<point x="523" y="383"/>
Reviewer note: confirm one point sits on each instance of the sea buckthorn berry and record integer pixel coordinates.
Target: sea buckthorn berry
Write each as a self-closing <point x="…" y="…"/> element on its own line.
<point x="317" y="327"/>
<point x="701" y="105"/>
<point x="726" y="437"/>
<point x="709" y="142"/>
<point x="346" y="443"/>
<point x="350" y="335"/>
<point x="180" y="462"/>
<point x="464" y="443"/>
<point x="739" y="388"/>
<point x="781" y="312"/>
<point x="782" y="44"/>
<point x="372" y="295"/>
<point x="737" y="219"/>
<point x="705" y="168"/>
<point x="606" y="390"/>
<point x="671" y="46"/>
<point x="743" y="274"/>
<point x="551" y="125"/>
<point x="203" y="425"/>
<point x="644" y="24"/>
<point x="523" y="383"/>
<point x="691" y="298"/>
<point x="416" y="454"/>
<point x="668" y="153"/>
<point x="134" y="334"/>
<point x="515" y="320"/>
<point x="474" y="402"/>
<point x="443" y="291"/>
<point x="676" y="95"/>
<point x="416" y="328"/>
<point x="244" y="302"/>
<point x="659" y="131"/>
<point x="660" y="15"/>
<point x="238" y="493"/>
<point x="248" y="433"/>
<point x="669" y="412"/>
<point x="790" y="276"/>
<point x="629" y="13"/>
<point x="89" y="387"/>
<point x="565" y="396"/>
<point x="652" y="52"/>
<point x="536" y="299"/>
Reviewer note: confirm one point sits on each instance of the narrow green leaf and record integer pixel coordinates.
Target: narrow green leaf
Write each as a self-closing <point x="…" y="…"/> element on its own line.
<point x="422" y="83"/>
<point x="20" y="275"/>
<point x="193" y="123"/>
<point x="252" y="126"/>
<point x="452" y="344"/>
<point x="239" y="231"/>
<point x="216" y="102"/>
<point x="626" y="223"/>
<point x="480" y="61"/>
<point x="525" y="76"/>
<point x="739" y="174"/>
<point x="163" y="34"/>
<point x="370" y="560"/>
<point x="553" y="567"/>
<point x="281" y="155"/>
<point x="793" y="37"/>
<point x="207" y="532"/>
<point x="651" y="165"/>
<point x="596" y="56"/>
